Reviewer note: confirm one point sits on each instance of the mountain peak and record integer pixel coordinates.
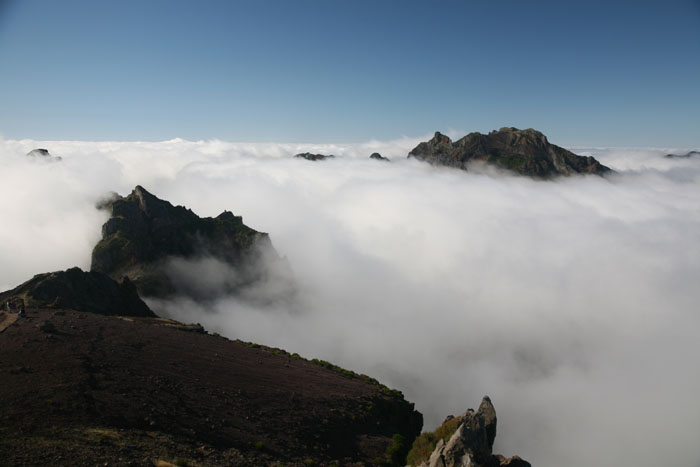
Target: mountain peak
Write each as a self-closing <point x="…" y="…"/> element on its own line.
<point x="526" y="152"/>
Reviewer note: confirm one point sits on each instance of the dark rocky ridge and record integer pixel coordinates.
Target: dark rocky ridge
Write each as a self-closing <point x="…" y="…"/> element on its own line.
<point x="41" y="153"/>
<point x="526" y="152"/>
<point x="87" y="389"/>
<point x="684" y="156"/>
<point x="379" y="157"/>
<point x="91" y="292"/>
<point x="313" y="157"/>
<point x="144" y="233"/>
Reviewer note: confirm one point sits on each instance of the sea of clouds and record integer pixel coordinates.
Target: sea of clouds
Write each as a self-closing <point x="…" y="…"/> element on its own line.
<point x="572" y="303"/>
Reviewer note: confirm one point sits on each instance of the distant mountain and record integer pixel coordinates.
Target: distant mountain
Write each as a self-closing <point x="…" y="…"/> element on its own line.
<point x="526" y="152"/>
<point x="683" y="156"/>
<point x="145" y="236"/>
<point x="313" y="157"/>
<point x="82" y="291"/>
<point x="43" y="154"/>
<point x="379" y="157"/>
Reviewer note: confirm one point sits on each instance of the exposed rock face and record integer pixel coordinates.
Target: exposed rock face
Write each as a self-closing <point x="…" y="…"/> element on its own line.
<point x="379" y="157"/>
<point x="42" y="153"/>
<point x="91" y="292"/>
<point x="686" y="155"/>
<point x="526" y="152"/>
<point x="163" y="249"/>
<point x="313" y="157"/>
<point x="472" y="443"/>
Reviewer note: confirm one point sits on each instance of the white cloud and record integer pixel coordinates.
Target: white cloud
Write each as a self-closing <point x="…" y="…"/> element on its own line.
<point x="573" y="303"/>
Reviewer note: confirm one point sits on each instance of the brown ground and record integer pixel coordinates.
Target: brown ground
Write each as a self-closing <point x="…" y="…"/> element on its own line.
<point x="84" y="389"/>
<point x="6" y="319"/>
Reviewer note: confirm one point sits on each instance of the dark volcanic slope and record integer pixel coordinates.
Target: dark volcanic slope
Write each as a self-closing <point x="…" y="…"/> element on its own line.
<point x="82" y="291"/>
<point x="88" y="389"/>
<point x="526" y="152"/>
<point x="144" y="232"/>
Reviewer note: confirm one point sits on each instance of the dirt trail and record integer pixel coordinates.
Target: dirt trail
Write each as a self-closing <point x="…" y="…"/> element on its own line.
<point x="6" y="319"/>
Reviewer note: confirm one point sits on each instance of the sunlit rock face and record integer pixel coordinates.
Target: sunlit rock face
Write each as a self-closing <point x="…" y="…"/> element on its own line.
<point x="471" y="444"/>
<point x="526" y="152"/>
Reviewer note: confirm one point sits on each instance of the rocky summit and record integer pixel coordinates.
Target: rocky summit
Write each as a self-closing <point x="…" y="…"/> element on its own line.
<point x="146" y="238"/>
<point x="91" y="292"/>
<point x="683" y="156"/>
<point x="42" y="154"/>
<point x="379" y="157"/>
<point x="313" y="157"/>
<point x="466" y="440"/>
<point x="526" y="152"/>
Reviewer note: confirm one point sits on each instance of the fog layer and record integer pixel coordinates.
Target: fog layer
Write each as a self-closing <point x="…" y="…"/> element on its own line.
<point x="572" y="303"/>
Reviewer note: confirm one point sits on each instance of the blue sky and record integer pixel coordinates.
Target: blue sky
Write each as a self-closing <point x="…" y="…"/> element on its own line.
<point x="584" y="73"/>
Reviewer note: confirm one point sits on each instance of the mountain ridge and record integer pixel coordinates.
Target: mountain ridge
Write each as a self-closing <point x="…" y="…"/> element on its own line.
<point x="525" y="152"/>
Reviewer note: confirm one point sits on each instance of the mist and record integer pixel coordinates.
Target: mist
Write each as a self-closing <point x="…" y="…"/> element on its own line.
<point x="571" y="303"/>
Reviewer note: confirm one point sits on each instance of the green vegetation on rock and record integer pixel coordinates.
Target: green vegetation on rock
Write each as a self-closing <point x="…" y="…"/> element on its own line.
<point x="425" y="443"/>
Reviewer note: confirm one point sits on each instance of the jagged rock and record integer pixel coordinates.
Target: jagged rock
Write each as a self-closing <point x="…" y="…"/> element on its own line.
<point x="313" y="157"/>
<point x="161" y="249"/>
<point x="472" y="443"/>
<point x="684" y="156"/>
<point x="379" y="157"/>
<point x="526" y="152"/>
<point x="42" y="153"/>
<point x="82" y="291"/>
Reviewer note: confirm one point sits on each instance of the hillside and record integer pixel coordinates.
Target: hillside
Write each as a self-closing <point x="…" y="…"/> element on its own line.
<point x="84" y="389"/>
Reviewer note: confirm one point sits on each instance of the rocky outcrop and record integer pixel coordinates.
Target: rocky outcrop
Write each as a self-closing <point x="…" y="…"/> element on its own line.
<point x="43" y="154"/>
<point x="161" y="248"/>
<point x="379" y="157"/>
<point x="471" y="444"/>
<point x="75" y="289"/>
<point x="313" y="157"/>
<point x="526" y="152"/>
<point x="683" y="156"/>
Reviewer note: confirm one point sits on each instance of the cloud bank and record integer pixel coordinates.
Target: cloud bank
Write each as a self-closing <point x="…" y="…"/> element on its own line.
<point x="572" y="303"/>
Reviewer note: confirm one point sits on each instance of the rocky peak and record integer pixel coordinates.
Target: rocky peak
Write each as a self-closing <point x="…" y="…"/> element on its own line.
<point x="145" y="233"/>
<point x="439" y="138"/>
<point x="526" y="152"/>
<point x="684" y="156"/>
<point x="313" y="157"/>
<point x="471" y="444"/>
<point x="379" y="157"/>
<point x="41" y="153"/>
<point x="75" y="289"/>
